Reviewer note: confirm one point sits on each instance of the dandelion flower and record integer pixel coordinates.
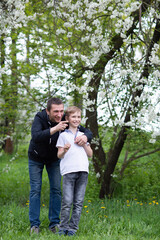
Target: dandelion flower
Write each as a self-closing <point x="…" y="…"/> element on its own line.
<point x="85" y="206"/>
<point x="103" y="207"/>
<point x="86" y="211"/>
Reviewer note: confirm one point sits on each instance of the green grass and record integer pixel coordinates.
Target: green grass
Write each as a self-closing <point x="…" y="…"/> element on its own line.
<point x="111" y="219"/>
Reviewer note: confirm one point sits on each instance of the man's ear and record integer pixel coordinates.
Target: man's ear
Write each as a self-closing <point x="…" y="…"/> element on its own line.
<point x="47" y="111"/>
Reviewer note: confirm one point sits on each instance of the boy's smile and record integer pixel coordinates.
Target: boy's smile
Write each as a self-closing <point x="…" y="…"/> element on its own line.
<point x="74" y="119"/>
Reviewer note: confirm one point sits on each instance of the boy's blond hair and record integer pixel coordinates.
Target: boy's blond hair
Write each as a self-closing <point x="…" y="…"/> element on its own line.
<point x="71" y="110"/>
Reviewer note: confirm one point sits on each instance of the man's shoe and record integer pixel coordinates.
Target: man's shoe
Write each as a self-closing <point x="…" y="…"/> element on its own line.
<point x="71" y="233"/>
<point x="34" y="229"/>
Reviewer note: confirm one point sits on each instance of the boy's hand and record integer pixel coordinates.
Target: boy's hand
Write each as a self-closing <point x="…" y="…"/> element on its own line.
<point x="81" y="140"/>
<point x="67" y="147"/>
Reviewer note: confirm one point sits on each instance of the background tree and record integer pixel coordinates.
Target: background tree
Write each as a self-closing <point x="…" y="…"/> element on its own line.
<point x="102" y="56"/>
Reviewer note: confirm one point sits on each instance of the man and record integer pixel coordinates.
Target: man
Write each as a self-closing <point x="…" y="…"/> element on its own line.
<point x="43" y="152"/>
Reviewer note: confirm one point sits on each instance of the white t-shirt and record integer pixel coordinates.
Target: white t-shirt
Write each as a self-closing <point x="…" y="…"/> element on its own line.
<point x="75" y="159"/>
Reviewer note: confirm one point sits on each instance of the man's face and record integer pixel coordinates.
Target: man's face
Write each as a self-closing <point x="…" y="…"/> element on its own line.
<point x="56" y="113"/>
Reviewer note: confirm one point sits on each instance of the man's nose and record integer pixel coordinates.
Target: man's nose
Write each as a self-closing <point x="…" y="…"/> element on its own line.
<point x="59" y="114"/>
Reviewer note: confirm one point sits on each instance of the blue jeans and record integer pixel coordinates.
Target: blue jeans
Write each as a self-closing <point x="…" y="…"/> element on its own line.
<point x="74" y="186"/>
<point x="35" y="173"/>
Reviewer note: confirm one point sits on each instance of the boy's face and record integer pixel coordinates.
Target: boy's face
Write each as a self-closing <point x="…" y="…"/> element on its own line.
<point x="74" y="119"/>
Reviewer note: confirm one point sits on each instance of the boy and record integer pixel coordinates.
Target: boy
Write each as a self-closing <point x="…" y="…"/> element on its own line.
<point x="74" y="169"/>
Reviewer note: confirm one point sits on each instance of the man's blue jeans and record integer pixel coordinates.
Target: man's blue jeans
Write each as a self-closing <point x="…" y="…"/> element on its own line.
<point x="74" y="186"/>
<point x="35" y="172"/>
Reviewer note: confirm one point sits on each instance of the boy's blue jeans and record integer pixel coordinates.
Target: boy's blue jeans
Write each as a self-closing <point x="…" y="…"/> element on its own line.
<point x="35" y="173"/>
<point x="74" y="186"/>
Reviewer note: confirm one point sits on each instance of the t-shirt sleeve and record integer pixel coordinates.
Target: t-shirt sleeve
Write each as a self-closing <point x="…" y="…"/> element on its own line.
<point x="60" y="141"/>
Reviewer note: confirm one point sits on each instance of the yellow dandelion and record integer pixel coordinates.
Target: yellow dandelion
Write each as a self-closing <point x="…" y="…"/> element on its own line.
<point x="89" y="201"/>
<point x="43" y="205"/>
<point x="141" y="204"/>
<point x="154" y="202"/>
<point x="137" y="202"/>
<point x="128" y="205"/>
<point x="86" y="211"/>
<point x="150" y="203"/>
<point x="85" y="206"/>
<point x="106" y="216"/>
<point x="103" y="207"/>
<point x="154" y="197"/>
<point x="27" y="203"/>
<point x="127" y="201"/>
<point x="27" y="200"/>
<point x="135" y="199"/>
<point x="157" y="203"/>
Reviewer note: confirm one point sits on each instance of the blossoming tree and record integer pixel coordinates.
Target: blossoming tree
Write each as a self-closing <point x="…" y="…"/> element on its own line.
<point x="109" y="51"/>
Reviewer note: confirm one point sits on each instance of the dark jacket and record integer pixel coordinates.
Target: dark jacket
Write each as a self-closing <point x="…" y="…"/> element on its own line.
<point x="42" y="146"/>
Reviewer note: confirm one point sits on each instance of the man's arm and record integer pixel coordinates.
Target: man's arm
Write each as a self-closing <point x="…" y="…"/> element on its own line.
<point x="86" y="132"/>
<point x="41" y="135"/>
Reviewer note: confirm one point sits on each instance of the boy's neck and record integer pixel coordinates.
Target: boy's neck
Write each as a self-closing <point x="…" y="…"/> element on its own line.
<point x="73" y="129"/>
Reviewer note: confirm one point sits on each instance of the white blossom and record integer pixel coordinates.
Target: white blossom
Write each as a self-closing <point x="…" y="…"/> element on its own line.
<point x="60" y="30"/>
<point x="69" y="34"/>
<point x="98" y="175"/>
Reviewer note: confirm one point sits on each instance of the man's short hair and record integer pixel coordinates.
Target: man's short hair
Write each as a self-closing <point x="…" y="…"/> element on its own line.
<point x="71" y="110"/>
<point x="51" y="101"/>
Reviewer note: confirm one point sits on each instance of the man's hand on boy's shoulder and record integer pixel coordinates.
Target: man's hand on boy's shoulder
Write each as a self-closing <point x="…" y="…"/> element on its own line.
<point x="81" y="140"/>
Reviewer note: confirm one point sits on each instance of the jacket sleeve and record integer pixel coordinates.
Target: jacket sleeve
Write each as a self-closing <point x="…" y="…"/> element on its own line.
<point x="86" y="132"/>
<point x="38" y="133"/>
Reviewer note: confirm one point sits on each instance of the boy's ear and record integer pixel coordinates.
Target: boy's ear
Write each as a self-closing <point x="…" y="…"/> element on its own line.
<point x="66" y="118"/>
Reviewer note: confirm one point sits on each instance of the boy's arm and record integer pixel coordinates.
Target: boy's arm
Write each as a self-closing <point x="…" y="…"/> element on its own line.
<point x="63" y="150"/>
<point x="88" y="150"/>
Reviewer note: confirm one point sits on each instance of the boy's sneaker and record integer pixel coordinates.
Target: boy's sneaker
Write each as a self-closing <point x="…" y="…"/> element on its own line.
<point x="62" y="232"/>
<point x="71" y="233"/>
<point x="34" y="229"/>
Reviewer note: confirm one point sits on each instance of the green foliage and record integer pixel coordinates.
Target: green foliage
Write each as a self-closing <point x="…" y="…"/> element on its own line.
<point x="108" y="219"/>
<point x="123" y="217"/>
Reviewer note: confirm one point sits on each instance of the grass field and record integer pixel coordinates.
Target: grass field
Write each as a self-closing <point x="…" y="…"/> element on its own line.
<point x="112" y="219"/>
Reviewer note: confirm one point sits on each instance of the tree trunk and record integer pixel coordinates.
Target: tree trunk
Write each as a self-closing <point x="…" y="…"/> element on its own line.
<point x="114" y="152"/>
